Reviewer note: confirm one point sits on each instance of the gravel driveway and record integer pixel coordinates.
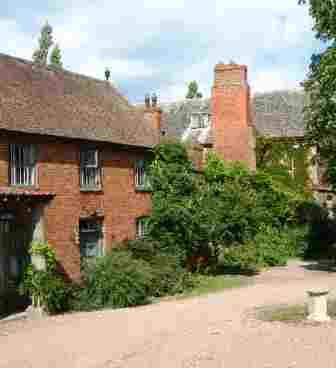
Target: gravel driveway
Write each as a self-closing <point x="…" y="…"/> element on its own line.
<point x="211" y="332"/>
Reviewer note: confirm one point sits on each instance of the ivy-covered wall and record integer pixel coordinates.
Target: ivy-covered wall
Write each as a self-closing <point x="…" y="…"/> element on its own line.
<point x="279" y="154"/>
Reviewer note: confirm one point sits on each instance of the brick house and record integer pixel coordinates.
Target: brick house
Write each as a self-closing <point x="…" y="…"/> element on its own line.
<point x="72" y="153"/>
<point x="232" y="124"/>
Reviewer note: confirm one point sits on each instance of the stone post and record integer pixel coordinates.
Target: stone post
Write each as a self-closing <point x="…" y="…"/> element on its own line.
<point x="317" y="306"/>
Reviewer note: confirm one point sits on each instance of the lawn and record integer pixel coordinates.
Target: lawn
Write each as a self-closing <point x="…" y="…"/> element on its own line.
<point x="291" y="313"/>
<point x="211" y="284"/>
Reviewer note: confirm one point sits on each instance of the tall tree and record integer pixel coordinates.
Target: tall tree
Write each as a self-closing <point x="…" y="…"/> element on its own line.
<point x="40" y="55"/>
<point x="324" y="16"/>
<point x="320" y="87"/>
<point x="56" y="57"/>
<point x="193" y="90"/>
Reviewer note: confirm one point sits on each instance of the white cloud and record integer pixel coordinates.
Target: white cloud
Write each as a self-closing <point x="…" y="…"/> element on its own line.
<point x="273" y="79"/>
<point x="120" y="68"/>
<point x="94" y="35"/>
<point x="13" y="40"/>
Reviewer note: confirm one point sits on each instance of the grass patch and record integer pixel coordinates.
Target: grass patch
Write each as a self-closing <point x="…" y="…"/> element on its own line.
<point x="291" y="313"/>
<point x="205" y="285"/>
<point x="214" y="284"/>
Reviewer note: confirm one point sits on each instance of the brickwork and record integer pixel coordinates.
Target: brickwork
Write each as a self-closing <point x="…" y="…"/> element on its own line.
<point x="58" y="172"/>
<point x="231" y="119"/>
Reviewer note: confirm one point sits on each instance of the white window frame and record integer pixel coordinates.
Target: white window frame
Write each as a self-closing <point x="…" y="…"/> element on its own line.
<point x="140" y="174"/>
<point x="141" y="227"/>
<point x="200" y="120"/>
<point x="23" y="171"/>
<point x="93" y="227"/>
<point x="90" y="172"/>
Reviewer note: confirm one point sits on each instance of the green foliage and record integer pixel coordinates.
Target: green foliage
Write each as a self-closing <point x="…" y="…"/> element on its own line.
<point x="195" y="216"/>
<point x="44" y="249"/>
<point x="56" y="57"/>
<point x="240" y="258"/>
<point x="323" y="13"/>
<point x="270" y="247"/>
<point x="320" y="87"/>
<point x="217" y="170"/>
<point x="283" y="156"/>
<point x="168" y="276"/>
<point x="47" y="288"/>
<point x="193" y="90"/>
<point x="40" y="55"/>
<point x="114" y="281"/>
<point x="320" y="112"/>
<point x="321" y="237"/>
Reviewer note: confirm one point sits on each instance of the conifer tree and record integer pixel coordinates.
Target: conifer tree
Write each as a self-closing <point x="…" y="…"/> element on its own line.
<point x="40" y="56"/>
<point x="56" y="57"/>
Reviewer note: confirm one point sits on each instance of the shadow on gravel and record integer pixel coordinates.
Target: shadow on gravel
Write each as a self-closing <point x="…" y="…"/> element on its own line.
<point x="323" y="265"/>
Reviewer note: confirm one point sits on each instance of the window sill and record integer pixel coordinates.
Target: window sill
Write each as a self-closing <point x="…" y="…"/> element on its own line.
<point x="26" y="187"/>
<point x="143" y="189"/>
<point x="94" y="190"/>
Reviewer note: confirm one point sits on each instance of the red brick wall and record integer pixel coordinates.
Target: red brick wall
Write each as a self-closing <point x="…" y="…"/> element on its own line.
<point x="231" y="119"/>
<point x="58" y="172"/>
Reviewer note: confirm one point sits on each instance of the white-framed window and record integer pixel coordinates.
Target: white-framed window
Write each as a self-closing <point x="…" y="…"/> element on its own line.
<point x="200" y="120"/>
<point x="23" y="164"/>
<point x="91" y="238"/>
<point x="141" y="227"/>
<point x="141" y="179"/>
<point x="90" y="171"/>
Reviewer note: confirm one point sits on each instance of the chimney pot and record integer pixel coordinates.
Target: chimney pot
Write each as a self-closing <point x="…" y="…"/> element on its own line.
<point x="147" y="101"/>
<point x="154" y="100"/>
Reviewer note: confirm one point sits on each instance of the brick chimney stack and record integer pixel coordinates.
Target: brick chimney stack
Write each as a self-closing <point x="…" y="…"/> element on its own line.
<point x="234" y="138"/>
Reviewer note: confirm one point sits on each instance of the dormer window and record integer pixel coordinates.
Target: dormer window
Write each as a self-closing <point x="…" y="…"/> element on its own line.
<point x="90" y="172"/>
<point x="199" y="120"/>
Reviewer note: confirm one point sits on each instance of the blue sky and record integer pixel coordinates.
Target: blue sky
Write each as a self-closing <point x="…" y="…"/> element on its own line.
<point x="160" y="45"/>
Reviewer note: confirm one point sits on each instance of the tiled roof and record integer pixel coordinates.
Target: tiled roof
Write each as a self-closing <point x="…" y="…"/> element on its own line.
<point x="277" y="114"/>
<point x="60" y="103"/>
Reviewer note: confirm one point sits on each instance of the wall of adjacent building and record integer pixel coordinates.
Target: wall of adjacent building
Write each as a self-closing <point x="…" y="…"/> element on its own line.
<point x="118" y="203"/>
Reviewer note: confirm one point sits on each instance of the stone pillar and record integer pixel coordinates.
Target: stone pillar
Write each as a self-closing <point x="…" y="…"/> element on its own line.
<point x="317" y="307"/>
<point x="38" y="223"/>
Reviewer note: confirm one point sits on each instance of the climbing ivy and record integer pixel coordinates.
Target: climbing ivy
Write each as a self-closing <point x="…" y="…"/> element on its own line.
<point x="284" y="155"/>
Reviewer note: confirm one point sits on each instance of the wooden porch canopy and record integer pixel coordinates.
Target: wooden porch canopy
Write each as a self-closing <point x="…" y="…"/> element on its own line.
<point x="23" y="194"/>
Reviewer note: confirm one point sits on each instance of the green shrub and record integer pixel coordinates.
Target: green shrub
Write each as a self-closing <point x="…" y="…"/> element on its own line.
<point x="270" y="247"/>
<point x="240" y="258"/>
<point x="168" y="276"/>
<point x="114" y="281"/>
<point x="51" y="290"/>
<point x="48" y="287"/>
<point x="297" y="240"/>
<point x="194" y="215"/>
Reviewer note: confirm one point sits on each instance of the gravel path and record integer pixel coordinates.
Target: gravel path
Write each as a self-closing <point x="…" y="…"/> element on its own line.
<point x="215" y="331"/>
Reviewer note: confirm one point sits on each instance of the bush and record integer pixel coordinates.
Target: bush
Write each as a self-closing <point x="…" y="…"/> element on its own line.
<point x="51" y="290"/>
<point x="48" y="287"/>
<point x="242" y="258"/>
<point x="114" y="281"/>
<point x="194" y="215"/>
<point x="298" y="237"/>
<point x="168" y="276"/>
<point x="270" y="247"/>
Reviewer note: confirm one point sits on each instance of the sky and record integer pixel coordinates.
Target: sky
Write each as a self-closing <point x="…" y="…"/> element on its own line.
<point x="158" y="46"/>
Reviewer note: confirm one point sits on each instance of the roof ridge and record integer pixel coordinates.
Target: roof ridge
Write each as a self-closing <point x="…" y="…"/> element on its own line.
<point x="55" y="69"/>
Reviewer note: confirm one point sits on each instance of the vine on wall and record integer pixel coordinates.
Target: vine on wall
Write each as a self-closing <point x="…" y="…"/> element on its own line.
<point x="286" y="154"/>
